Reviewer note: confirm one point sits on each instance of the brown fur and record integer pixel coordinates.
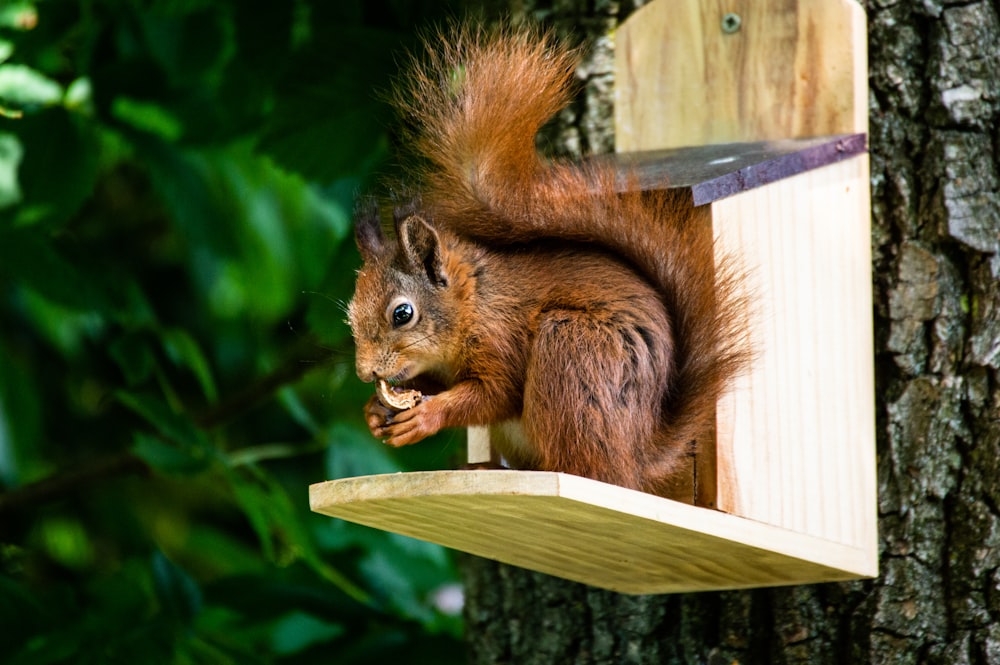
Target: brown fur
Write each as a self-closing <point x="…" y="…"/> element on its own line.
<point x="605" y="322"/>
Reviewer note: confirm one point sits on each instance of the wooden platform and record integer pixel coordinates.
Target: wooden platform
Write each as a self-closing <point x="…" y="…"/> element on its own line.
<point x="588" y="531"/>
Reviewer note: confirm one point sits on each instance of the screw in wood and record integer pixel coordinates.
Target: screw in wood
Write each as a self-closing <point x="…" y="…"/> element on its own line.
<point x="731" y="23"/>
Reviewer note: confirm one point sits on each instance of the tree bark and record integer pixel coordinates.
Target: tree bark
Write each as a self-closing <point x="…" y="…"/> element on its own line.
<point x="935" y="151"/>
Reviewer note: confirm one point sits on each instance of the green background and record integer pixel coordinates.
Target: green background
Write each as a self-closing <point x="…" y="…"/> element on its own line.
<point x="176" y="186"/>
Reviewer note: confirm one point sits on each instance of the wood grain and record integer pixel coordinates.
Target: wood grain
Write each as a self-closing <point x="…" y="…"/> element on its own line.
<point x="587" y="531"/>
<point x="796" y="443"/>
<point x="795" y="68"/>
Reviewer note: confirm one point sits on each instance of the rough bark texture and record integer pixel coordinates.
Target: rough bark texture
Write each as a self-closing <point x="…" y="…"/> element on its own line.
<point x="935" y="148"/>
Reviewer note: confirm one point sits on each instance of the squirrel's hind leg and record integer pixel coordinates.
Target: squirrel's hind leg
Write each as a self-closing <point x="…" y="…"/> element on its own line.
<point x="593" y="391"/>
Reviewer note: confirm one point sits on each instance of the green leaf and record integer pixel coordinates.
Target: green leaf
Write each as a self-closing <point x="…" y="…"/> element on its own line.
<point x="180" y="595"/>
<point x="298" y="410"/>
<point x="314" y="135"/>
<point x="66" y="328"/>
<point x="274" y="593"/>
<point x="18" y="14"/>
<point x="169" y="457"/>
<point x="6" y="49"/>
<point x="66" y="541"/>
<point x="190" y="44"/>
<point x="53" y="186"/>
<point x="264" y="507"/>
<point x="328" y="122"/>
<point x="171" y="425"/>
<point x="260" y="233"/>
<point x="79" y="95"/>
<point x="239" y="211"/>
<point x="134" y="356"/>
<point x="28" y="257"/>
<point x="22" y="86"/>
<point x="280" y="527"/>
<point x="184" y="351"/>
<point x="148" y="117"/>
<point x="219" y="551"/>
<point x="11" y="153"/>
<point x="21" y="456"/>
<point x="297" y="631"/>
<point x="353" y="451"/>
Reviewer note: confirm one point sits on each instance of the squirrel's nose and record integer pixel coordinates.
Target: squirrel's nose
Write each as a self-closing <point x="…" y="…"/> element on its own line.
<point x="366" y="374"/>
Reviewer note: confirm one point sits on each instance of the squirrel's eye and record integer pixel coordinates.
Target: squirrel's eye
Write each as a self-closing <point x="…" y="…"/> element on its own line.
<point x="402" y="314"/>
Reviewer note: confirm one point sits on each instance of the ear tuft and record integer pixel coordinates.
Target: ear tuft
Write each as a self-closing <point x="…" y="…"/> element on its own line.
<point x="404" y="205"/>
<point x="368" y="231"/>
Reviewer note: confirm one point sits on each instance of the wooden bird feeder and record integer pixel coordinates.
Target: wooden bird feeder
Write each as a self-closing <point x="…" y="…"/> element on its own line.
<point x="759" y="109"/>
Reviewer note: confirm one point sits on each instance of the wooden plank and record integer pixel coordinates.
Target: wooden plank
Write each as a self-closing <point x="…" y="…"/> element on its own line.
<point x="796" y="444"/>
<point x="587" y="531"/>
<point x="477" y="447"/>
<point x="794" y="68"/>
<point x="716" y="171"/>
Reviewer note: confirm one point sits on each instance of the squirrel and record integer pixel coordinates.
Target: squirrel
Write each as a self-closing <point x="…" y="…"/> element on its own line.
<point x="516" y="291"/>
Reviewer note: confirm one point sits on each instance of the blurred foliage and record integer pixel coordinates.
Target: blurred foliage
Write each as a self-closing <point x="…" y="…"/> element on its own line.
<point x="176" y="181"/>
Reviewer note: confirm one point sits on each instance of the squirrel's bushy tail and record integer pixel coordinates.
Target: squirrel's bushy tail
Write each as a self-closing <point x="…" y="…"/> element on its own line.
<point x="472" y="110"/>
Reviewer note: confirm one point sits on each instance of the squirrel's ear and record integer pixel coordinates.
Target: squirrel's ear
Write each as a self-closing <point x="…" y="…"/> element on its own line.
<point x="368" y="229"/>
<point x="404" y="206"/>
<point x="422" y="249"/>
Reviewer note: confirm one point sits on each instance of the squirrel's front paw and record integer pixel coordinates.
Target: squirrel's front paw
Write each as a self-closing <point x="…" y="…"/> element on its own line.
<point x="377" y="416"/>
<point x="410" y="426"/>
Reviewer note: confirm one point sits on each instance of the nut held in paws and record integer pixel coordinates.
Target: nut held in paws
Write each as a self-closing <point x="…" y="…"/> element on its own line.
<point x="396" y="398"/>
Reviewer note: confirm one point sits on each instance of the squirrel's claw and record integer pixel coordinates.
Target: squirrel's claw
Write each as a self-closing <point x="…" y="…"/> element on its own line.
<point x="410" y="426"/>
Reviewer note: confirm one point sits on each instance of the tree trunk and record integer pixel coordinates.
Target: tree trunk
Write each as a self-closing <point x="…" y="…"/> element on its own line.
<point x="935" y="149"/>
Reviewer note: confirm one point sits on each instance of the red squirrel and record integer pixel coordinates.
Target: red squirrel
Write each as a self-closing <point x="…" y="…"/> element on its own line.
<point x="515" y="291"/>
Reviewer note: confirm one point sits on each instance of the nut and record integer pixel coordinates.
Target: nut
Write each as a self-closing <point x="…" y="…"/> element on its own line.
<point x="395" y="397"/>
